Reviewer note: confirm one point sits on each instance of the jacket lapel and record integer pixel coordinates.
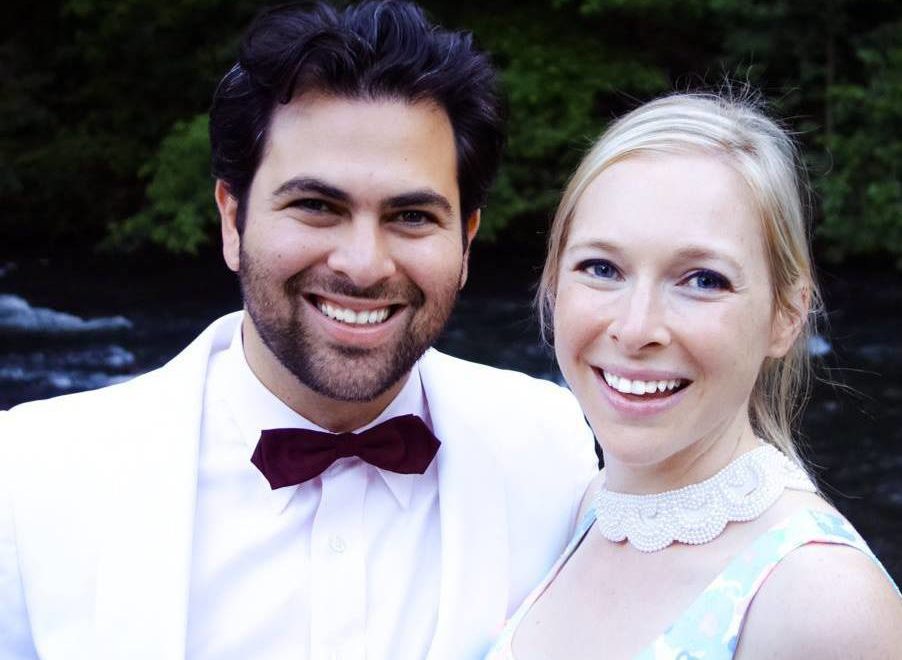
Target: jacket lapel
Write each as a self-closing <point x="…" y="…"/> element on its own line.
<point x="144" y="573"/>
<point x="474" y="574"/>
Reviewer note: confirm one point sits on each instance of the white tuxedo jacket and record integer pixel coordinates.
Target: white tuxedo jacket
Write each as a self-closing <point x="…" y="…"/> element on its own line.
<point x="97" y="500"/>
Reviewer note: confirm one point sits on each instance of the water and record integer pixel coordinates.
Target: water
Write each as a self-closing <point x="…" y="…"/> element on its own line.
<point x="65" y="327"/>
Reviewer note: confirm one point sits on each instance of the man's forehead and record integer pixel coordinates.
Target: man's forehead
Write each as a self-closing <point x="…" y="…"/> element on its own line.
<point x="321" y="106"/>
<point x="374" y="147"/>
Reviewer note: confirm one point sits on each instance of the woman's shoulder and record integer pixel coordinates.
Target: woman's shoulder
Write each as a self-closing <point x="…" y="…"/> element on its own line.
<point x="589" y="496"/>
<point x="824" y="599"/>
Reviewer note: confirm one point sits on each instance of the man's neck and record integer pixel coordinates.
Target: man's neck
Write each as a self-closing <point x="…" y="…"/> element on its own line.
<point x="334" y="415"/>
<point x="331" y="414"/>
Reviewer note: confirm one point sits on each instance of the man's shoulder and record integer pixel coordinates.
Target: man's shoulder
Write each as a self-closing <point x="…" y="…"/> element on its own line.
<point x="124" y="402"/>
<point x="501" y="399"/>
<point x="492" y="381"/>
<point x="530" y="432"/>
<point x="87" y="404"/>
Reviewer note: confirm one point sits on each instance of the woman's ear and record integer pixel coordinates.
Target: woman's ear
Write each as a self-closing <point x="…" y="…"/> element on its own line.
<point x="790" y="320"/>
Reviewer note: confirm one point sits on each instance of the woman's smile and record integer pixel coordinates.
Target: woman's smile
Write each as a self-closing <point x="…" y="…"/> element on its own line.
<point x="643" y="388"/>
<point x="622" y="395"/>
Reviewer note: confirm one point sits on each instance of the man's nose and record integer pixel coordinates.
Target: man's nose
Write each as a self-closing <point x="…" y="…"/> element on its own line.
<point x="640" y="319"/>
<point x="362" y="253"/>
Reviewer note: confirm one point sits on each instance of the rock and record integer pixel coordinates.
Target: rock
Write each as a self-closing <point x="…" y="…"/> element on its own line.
<point x="17" y="317"/>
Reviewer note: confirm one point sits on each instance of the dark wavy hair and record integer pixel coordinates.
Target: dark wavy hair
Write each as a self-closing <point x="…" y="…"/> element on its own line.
<point x="378" y="49"/>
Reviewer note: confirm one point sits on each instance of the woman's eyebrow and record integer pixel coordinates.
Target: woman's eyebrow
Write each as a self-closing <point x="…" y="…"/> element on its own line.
<point x="685" y="253"/>
<point x="594" y="244"/>
<point x="702" y="253"/>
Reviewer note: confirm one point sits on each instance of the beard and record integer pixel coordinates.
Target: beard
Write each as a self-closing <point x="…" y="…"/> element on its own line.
<point x="337" y="371"/>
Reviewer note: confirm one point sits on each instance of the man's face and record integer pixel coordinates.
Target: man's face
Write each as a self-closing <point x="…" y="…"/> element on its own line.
<point x="350" y="259"/>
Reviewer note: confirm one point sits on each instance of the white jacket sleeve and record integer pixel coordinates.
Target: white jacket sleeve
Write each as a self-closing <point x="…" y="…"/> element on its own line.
<point x="15" y="632"/>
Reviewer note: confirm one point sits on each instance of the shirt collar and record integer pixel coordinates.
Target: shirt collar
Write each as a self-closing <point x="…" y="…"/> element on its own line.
<point x="255" y="408"/>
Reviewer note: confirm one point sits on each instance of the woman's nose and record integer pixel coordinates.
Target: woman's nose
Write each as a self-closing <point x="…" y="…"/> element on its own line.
<point x="640" y="320"/>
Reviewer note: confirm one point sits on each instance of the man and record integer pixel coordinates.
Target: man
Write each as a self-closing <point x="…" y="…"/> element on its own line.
<point x="353" y="150"/>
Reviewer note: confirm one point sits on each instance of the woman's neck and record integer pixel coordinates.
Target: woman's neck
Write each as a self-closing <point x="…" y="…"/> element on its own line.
<point x="700" y="461"/>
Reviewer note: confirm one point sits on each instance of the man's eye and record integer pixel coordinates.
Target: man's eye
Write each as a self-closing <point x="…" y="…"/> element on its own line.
<point x="414" y="217"/>
<point x="312" y="205"/>
<point x="708" y="280"/>
<point x="600" y="268"/>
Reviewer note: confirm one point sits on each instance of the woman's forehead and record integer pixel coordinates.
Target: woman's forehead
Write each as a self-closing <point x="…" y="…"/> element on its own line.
<point x="678" y="201"/>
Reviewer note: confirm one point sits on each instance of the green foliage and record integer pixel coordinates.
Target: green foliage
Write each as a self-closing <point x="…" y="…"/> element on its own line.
<point x="102" y="102"/>
<point x="179" y="213"/>
<point x="862" y="196"/>
<point x="556" y="90"/>
<point x="89" y="89"/>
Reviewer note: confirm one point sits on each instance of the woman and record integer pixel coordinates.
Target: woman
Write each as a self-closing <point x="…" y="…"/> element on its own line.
<point x="681" y="289"/>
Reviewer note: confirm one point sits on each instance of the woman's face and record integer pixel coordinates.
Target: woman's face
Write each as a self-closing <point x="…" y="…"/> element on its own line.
<point x="663" y="314"/>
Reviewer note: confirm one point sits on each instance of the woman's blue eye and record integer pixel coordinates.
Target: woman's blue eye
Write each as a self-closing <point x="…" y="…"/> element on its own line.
<point x="708" y="280"/>
<point x="600" y="268"/>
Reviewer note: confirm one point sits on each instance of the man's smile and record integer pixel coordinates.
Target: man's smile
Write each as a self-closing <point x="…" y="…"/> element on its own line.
<point x="346" y="314"/>
<point x="359" y="324"/>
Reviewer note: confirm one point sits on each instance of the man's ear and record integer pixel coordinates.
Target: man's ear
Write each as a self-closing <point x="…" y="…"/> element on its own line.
<point x="788" y="322"/>
<point x="472" y="228"/>
<point x="228" y="221"/>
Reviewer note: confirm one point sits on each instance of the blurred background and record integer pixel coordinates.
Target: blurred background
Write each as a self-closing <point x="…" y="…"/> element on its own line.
<point x="109" y="259"/>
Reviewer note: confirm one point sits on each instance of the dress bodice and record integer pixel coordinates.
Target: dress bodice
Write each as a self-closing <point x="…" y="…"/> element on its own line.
<point x="710" y="627"/>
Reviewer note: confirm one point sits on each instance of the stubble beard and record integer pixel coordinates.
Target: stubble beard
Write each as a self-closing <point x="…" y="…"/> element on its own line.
<point x="335" y="371"/>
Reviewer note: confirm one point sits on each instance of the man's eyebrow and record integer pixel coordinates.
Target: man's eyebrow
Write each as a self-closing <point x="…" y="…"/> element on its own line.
<point x="419" y="198"/>
<point x="312" y="185"/>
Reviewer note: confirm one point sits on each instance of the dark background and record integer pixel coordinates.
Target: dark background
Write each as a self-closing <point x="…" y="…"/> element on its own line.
<point x="106" y="211"/>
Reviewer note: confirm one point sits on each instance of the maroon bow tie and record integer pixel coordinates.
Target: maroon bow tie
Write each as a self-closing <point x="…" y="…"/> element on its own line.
<point x="288" y="457"/>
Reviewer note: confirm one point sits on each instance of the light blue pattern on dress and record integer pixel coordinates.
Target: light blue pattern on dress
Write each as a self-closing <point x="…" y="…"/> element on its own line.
<point x="710" y="628"/>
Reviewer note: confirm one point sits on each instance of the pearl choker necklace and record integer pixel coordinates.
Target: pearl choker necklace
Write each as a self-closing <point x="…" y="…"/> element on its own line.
<point x="698" y="513"/>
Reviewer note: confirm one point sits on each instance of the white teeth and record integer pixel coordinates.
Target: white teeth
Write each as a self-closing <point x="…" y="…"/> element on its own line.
<point x="639" y="387"/>
<point x="354" y="318"/>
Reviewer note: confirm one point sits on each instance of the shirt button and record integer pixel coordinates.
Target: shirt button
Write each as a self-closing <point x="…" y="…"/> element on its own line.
<point x="337" y="544"/>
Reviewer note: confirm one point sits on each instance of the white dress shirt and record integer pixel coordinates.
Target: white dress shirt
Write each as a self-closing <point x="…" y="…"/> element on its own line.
<point x="345" y="566"/>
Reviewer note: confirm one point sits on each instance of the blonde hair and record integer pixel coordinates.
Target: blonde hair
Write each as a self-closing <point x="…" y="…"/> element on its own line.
<point x="767" y="159"/>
